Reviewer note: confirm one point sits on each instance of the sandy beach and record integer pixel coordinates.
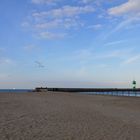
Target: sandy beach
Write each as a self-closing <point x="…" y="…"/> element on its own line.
<point x="68" y="116"/>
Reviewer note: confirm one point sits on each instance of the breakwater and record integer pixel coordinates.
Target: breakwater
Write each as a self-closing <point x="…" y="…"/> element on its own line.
<point x="99" y="91"/>
<point x="94" y="89"/>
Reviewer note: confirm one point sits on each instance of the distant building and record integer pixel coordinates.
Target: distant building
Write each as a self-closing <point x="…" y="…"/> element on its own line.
<point x="41" y="89"/>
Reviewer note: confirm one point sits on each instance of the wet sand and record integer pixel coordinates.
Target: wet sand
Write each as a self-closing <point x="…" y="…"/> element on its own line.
<point x="68" y="116"/>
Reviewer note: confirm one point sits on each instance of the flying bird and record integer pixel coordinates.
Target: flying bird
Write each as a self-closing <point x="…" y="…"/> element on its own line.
<point x="39" y="64"/>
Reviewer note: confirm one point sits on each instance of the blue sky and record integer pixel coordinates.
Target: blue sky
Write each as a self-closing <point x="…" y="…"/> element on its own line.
<point x="77" y="43"/>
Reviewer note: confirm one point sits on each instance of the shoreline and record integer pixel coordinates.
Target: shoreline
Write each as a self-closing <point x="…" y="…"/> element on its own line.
<point x="119" y="94"/>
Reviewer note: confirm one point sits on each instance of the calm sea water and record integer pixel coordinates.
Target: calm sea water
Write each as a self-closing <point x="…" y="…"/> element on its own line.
<point x="137" y="94"/>
<point x="15" y="90"/>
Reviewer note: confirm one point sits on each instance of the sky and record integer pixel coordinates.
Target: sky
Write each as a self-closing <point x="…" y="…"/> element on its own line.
<point x="76" y="43"/>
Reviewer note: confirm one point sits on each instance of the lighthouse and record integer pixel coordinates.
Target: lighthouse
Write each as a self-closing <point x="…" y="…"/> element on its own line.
<point x="134" y="84"/>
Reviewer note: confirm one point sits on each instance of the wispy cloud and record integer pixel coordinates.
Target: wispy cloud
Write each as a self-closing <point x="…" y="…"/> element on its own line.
<point x="127" y="22"/>
<point x="131" y="6"/>
<point x="132" y="59"/>
<point x="51" y="35"/>
<point x="65" y="11"/>
<point x="56" y="21"/>
<point x="66" y="23"/>
<point x="95" y="2"/>
<point x="109" y="53"/>
<point x="88" y="56"/>
<point x="25" y="24"/>
<point x="114" y="43"/>
<point x="128" y="11"/>
<point x="48" y="2"/>
<point x="95" y="26"/>
<point x="30" y="47"/>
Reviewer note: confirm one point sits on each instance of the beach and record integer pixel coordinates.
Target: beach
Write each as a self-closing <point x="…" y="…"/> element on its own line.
<point x="68" y="116"/>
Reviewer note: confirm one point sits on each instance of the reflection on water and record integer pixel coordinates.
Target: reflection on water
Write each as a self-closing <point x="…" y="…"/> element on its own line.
<point x="115" y="93"/>
<point x="15" y="90"/>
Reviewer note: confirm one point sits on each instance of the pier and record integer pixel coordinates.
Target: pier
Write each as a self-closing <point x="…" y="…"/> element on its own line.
<point x="101" y="91"/>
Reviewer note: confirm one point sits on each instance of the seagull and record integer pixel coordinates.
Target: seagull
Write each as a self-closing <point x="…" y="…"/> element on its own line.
<point x="39" y="64"/>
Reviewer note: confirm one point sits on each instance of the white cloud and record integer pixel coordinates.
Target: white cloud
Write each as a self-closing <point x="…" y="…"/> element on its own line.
<point x="48" y="2"/>
<point x="116" y="54"/>
<point x="95" y="2"/>
<point x="51" y="24"/>
<point x="129" y="12"/>
<point x="110" y="54"/>
<point x="65" y="11"/>
<point x="87" y="55"/>
<point x="132" y="6"/>
<point x="114" y="43"/>
<point x="50" y="35"/>
<point x="132" y="59"/>
<point x="30" y="47"/>
<point x="25" y="24"/>
<point x="95" y="27"/>
<point x="87" y="1"/>
<point x="129" y="21"/>
<point x="59" y="23"/>
<point x="56" y="22"/>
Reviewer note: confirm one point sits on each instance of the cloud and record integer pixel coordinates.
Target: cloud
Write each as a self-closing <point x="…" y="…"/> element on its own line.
<point x="95" y="2"/>
<point x="48" y="2"/>
<point x="119" y="54"/>
<point x="95" y="27"/>
<point x="30" y="47"/>
<point x="132" y="59"/>
<point x="59" y="23"/>
<point x="128" y="12"/>
<point x="55" y="23"/>
<point x="25" y="24"/>
<point x="86" y="56"/>
<point x="65" y="11"/>
<point x="127" y="15"/>
<point x="129" y="21"/>
<point x="87" y="1"/>
<point x="50" y="35"/>
<point x="132" y="6"/>
<point x="111" y="54"/>
<point x="55" y="2"/>
<point x="115" y="42"/>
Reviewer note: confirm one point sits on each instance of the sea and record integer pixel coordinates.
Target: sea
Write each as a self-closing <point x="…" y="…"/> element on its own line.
<point x="15" y="90"/>
<point x="124" y="93"/>
<point x="118" y="93"/>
